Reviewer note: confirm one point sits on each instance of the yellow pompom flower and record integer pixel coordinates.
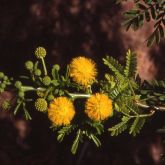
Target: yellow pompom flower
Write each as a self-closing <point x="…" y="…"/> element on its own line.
<point x="83" y="71"/>
<point x="98" y="107"/>
<point x="61" y="111"/>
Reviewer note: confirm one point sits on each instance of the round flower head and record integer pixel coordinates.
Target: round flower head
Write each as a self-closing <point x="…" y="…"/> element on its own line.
<point x="98" y="107"/>
<point x="61" y="111"/>
<point x="37" y="72"/>
<point x="41" y="104"/>
<point x="40" y="52"/>
<point x="40" y="93"/>
<point x="83" y="71"/>
<point x="29" y="65"/>
<point x="18" y="84"/>
<point x="46" y="80"/>
<point x="1" y="75"/>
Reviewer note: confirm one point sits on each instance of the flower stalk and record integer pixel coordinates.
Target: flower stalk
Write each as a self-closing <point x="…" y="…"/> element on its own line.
<point x="44" y="66"/>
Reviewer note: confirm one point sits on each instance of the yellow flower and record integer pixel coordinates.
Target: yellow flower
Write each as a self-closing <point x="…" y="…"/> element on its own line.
<point x="61" y="111"/>
<point x="98" y="107"/>
<point x="83" y="71"/>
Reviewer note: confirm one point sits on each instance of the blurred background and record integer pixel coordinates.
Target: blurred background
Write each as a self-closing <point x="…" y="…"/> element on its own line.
<point x="67" y="29"/>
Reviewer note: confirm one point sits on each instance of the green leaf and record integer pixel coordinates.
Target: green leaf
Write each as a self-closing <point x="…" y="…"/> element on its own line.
<point x="76" y="142"/>
<point x="95" y="140"/>
<point x="151" y="40"/>
<point x="17" y="108"/>
<point x="64" y="131"/>
<point x="98" y="126"/>
<point x="147" y="16"/>
<point x="119" y="90"/>
<point x="67" y="72"/>
<point x="120" y="127"/>
<point x="131" y="13"/>
<point x="161" y="30"/>
<point x="157" y="35"/>
<point x="160" y="16"/>
<point x="55" y="71"/>
<point x="27" y="115"/>
<point x="153" y="12"/>
<point x="111" y="80"/>
<point x="128" y="24"/>
<point x="141" y="6"/>
<point x="131" y="64"/>
<point x="137" y="126"/>
<point x="156" y="83"/>
<point x="114" y="66"/>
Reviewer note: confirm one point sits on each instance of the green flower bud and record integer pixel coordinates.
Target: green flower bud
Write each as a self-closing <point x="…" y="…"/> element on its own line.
<point x="56" y="67"/>
<point x="18" y="84"/>
<point x="29" y="65"/>
<point x="5" y="78"/>
<point x="1" y="75"/>
<point x="3" y="85"/>
<point x="21" y="94"/>
<point x="40" y="93"/>
<point x="37" y="72"/>
<point x="40" y="52"/>
<point x="7" y="83"/>
<point x="46" y="80"/>
<point x="41" y="104"/>
<point x="55" y="82"/>
<point x="50" y="97"/>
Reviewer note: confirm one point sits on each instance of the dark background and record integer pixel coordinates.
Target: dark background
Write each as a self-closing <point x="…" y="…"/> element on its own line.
<point x="69" y="28"/>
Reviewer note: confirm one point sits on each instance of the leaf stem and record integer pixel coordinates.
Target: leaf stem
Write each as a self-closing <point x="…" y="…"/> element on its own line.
<point x="156" y="108"/>
<point x="139" y="115"/>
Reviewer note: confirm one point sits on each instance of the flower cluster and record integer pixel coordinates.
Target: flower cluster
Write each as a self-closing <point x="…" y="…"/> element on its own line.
<point x="59" y="96"/>
<point x="61" y="110"/>
<point x="98" y="107"/>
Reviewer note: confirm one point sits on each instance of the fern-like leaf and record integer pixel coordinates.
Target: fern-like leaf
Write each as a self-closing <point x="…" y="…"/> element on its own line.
<point x="76" y="141"/>
<point x="146" y="11"/>
<point x="119" y="90"/>
<point x="120" y="127"/>
<point x="137" y="126"/>
<point x="64" y="131"/>
<point x="156" y="83"/>
<point x="114" y="66"/>
<point x="131" y="64"/>
<point x="95" y="140"/>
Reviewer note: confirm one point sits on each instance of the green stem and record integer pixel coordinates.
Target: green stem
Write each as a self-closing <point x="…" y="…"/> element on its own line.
<point x="30" y="88"/>
<point x="44" y="66"/>
<point x="140" y="115"/>
<point x="156" y="108"/>
<point x="47" y="92"/>
<point x="77" y="95"/>
<point x="81" y="95"/>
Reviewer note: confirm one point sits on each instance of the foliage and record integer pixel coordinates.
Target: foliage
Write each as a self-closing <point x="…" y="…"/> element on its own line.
<point x="147" y="11"/>
<point x="121" y="84"/>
